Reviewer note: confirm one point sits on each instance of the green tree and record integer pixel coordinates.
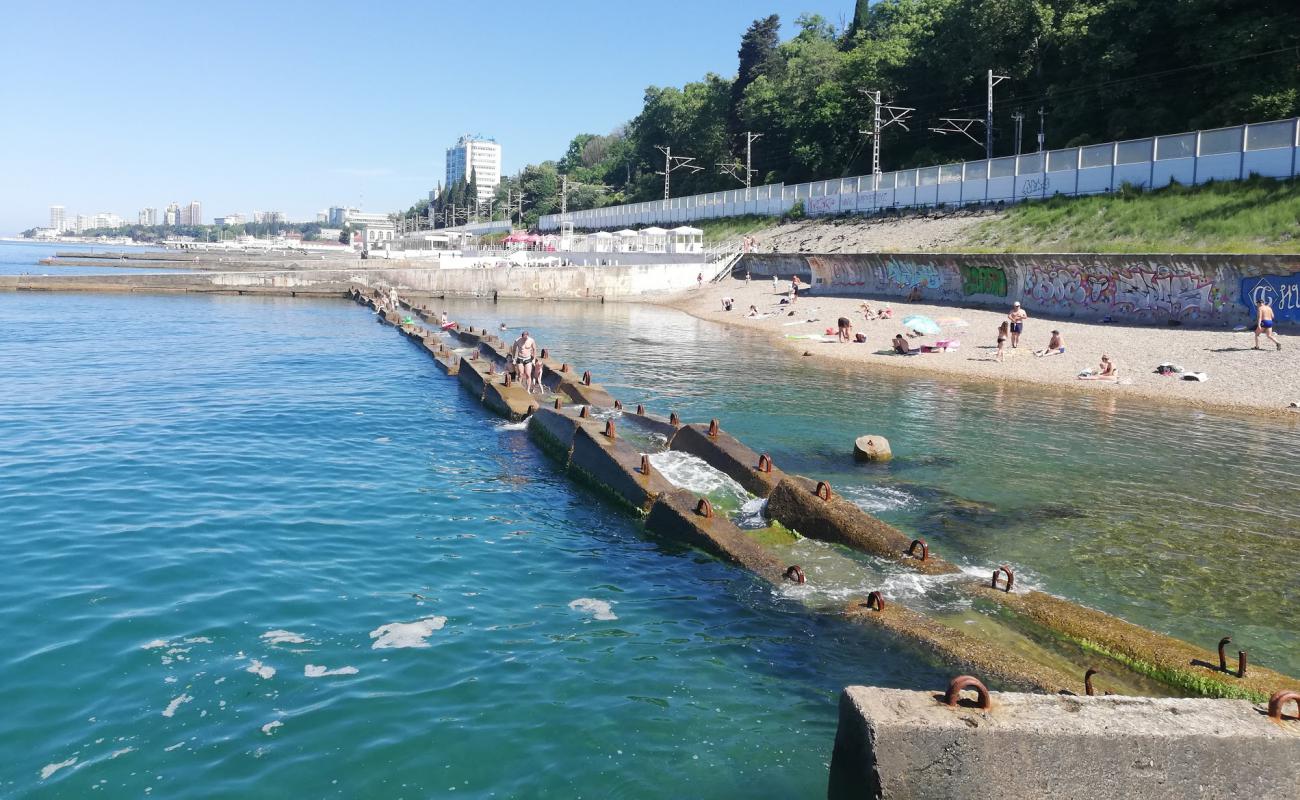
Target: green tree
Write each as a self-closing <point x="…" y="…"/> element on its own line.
<point x="758" y="48"/>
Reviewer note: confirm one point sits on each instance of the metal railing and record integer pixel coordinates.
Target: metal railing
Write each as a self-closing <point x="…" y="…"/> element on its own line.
<point x="1268" y="149"/>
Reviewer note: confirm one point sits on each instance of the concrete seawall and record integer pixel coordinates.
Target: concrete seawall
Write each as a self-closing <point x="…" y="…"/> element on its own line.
<point x="574" y="282"/>
<point x="1212" y="290"/>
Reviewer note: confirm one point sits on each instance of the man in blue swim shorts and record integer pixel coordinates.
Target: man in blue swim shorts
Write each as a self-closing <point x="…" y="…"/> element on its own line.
<point x="1017" y="316"/>
<point x="1264" y="324"/>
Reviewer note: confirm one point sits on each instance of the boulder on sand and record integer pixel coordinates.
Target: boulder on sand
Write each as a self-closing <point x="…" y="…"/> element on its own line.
<point x="872" y="448"/>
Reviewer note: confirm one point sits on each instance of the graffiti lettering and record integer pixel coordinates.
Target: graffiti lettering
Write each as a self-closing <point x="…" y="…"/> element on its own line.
<point x="1282" y="292"/>
<point x="823" y="205"/>
<point x="1162" y="293"/>
<point x="1036" y="185"/>
<point x="983" y="280"/>
<point x="906" y="274"/>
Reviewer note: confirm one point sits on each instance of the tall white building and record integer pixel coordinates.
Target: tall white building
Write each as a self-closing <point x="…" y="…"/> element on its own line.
<point x="148" y="216"/>
<point x="172" y="216"/>
<point x="480" y="156"/>
<point x="58" y="223"/>
<point x="192" y="214"/>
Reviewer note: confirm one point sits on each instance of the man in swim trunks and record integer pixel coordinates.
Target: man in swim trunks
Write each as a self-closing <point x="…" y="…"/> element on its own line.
<point x="1264" y="324"/>
<point x="522" y="355"/>
<point x="1055" y="346"/>
<point x="1017" y="319"/>
<point x="846" y="329"/>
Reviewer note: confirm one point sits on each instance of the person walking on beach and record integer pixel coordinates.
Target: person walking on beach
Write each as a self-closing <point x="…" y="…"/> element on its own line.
<point x="1055" y="346"/>
<point x="1264" y="324"/>
<point x="699" y="281"/>
<point x="1002" y="340"/>
<point x="1017" y="319"/>
<point x="522" y="354"/>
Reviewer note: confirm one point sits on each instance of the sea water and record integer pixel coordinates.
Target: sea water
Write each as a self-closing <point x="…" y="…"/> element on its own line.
<point x="261" y="546"/>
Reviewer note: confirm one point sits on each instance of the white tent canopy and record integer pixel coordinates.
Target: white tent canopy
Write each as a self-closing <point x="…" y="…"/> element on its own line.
<point x="626" y="232"/>
<point x="604" y="235"/>
<point x="652" y="231"/>
<point x="687" y="230"/>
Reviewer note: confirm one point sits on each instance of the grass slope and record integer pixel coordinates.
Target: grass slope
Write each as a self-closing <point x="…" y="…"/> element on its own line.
<point x="1258" y="215"/>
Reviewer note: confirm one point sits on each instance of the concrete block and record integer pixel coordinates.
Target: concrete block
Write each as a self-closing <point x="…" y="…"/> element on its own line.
<point x="587" y="394"/>
<point x="651" y="423"/>
<point x="511" y="402"/>
<point x="554" y="431"/>
<point x="902" y="744"/>
<point x="727" y="454"/>
<point x="872" y="448"/>
<point x="448" y="363"/>
<point x="615" y="466"/>
<point x="473" y="375"/>
<point x="674" y="516"/>
<point x="1171" y="661"/>
<point x="796" y="505"/>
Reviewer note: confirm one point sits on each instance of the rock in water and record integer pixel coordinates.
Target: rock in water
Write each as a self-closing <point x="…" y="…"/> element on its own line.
<point x="872" y="448"/>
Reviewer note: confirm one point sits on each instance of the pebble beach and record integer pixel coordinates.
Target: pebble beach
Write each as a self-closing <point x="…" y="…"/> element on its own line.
<point x="1238" y="377"/>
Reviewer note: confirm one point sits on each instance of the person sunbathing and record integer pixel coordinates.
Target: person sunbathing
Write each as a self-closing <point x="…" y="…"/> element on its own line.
<point x="1107" y="370"/>
<point x="902" y="346"/>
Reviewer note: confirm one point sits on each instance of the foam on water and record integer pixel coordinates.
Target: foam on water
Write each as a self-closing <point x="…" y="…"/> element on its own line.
<point x="694" y="474"/>
<point x="50" y="769"/>
<point x="270" y="727"/>
<point x="314" y="671"/>
<point x="406" y="634"/>
<point x="512" y="426"/>
<point x="598" y="609"/>
<point x="170" y="710"/>
<point x="261" y="670"/>
<point x="875" y="499"/>
<point x="283" y="637"/>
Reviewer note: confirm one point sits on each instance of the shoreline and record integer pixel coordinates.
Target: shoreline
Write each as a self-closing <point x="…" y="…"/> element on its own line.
<point x="1241" y="381"/>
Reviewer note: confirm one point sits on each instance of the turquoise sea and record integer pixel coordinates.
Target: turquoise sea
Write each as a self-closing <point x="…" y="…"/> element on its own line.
<point x="262" y="547"/>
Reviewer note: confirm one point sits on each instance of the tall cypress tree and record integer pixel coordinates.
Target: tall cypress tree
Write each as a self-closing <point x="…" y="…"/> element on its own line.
<point x="861" y="17"/>
<point x="757" y="47"/>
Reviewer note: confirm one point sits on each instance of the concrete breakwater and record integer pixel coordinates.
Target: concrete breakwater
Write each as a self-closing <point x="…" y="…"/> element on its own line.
<point x="1033" y="641"/>
<point x="410" y="278"/>
<point x="1193" y="289"/>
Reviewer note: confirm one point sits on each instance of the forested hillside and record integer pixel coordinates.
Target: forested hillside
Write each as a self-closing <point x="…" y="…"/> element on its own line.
<point x="1099" y="70"/>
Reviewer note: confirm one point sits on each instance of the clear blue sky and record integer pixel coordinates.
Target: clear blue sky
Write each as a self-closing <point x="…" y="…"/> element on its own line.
<point x="296" y="106"/>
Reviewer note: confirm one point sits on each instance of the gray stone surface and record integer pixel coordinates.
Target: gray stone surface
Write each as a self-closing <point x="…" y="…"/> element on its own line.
<point x="902" y="744"/>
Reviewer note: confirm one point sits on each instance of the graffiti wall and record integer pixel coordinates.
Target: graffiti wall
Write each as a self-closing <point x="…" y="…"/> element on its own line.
<point x="1190" y="289"/>
<point x="1282" y="292"/>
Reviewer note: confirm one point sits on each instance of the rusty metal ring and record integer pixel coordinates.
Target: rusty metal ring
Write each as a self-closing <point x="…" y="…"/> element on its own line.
<point x="823" y="490"/>
<point x="545" y="354"/>
<point x="557" y="404"/>
<point x="795" y="574"/>
<point x="618" y="405"/>
<point x="645" y="464"/>
<point x="610" y="432"/>
<point x="876" y="600"/>
<point x="765" y="463"/>
<point x="1011" y="577"/>
<point x="925" y="548"/>
<point x="963" y="682"/>
<point x="585" y="412"/>
<point x="1087" y="680"/>
<point x="1280" y="698"/>
<point x="704" y="508"/>
<point x="674" y="420"/>
<point x="713" y="427"/>
<point x="640" y="410"/>
<point x="1223" y="659"/>
<point x="586" y="378"/>
<point x="564" y="367"/>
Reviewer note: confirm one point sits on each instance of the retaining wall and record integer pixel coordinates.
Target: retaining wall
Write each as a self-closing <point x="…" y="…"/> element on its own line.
<point x="1193" y="288"/>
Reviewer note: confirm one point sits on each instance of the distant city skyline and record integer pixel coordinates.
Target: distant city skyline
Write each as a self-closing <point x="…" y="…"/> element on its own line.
<point x="331" y="129"/>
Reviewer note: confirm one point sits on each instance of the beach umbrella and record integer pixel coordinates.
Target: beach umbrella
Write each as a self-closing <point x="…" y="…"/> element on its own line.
<point x="921" y="324"/>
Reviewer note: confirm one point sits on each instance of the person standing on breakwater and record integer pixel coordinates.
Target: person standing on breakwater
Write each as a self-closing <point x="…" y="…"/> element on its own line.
<point x="1017" y="319"/>
<point x="522" y="354"/>
<point x="1264" y="324"/>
